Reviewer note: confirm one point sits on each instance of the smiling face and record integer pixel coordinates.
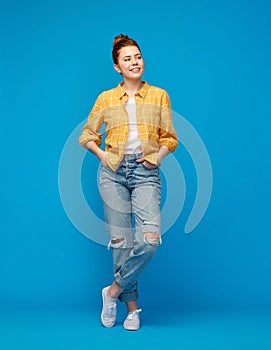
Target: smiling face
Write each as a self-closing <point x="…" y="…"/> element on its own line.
<point x="130" y="63"/>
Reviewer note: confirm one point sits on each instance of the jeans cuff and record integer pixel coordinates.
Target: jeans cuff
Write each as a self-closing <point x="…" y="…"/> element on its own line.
<point x="121" y="282"/>
<point x="128" y="296"/>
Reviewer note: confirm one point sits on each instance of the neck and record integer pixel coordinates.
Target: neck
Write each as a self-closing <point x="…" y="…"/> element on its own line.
<point x="132" y="87"/>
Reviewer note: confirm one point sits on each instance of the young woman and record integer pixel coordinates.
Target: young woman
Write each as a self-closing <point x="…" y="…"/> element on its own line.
<point x="139" y="134"/>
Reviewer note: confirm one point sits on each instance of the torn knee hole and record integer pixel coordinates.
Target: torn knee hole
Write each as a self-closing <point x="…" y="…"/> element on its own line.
<point x="152" y="238"/>
<point x="117" y="240"/>
<point x="117" y="243"/>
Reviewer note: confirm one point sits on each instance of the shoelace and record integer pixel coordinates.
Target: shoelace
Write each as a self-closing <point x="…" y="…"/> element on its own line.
<point x="110" y="309"/>
<point x="132" y="314"/>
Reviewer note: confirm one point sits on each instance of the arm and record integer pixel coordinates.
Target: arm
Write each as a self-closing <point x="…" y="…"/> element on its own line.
<point x="162" y="153"/>
<point x="99" y="153"/>
<point x="90" y="137"/>
<point x="167" y="136"/>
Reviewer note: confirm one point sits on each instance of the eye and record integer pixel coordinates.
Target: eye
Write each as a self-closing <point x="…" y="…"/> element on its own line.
<point x="127" y="59"/>
<point x="139" y="57"/>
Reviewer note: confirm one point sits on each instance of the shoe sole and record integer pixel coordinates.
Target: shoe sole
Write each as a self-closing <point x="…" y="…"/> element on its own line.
<point x="131" y="329"/>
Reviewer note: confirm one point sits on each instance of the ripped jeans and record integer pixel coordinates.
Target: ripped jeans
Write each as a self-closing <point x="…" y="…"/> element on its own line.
<point x="132" y="189"/>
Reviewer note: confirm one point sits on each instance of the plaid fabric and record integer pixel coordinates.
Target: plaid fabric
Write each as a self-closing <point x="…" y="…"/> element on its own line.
<point x="154" y="123"/>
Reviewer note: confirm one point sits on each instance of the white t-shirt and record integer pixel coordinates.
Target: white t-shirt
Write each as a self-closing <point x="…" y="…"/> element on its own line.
<point x="133" y="144"/>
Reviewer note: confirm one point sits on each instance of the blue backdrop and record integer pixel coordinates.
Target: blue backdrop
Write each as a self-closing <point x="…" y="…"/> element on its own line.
<point x="213" y="58"/>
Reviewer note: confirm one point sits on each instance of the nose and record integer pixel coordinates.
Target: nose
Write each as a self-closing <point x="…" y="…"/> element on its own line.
<point x="134" y="61"/>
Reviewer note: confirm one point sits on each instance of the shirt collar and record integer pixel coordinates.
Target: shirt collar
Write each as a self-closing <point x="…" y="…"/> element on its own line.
<point x="142" y="92"/>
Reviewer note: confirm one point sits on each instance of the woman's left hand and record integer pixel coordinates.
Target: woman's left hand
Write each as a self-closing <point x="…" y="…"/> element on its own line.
<point x="146" y="163"/>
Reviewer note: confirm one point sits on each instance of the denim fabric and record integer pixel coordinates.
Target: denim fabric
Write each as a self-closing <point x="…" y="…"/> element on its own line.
<point x="132" y="191"/>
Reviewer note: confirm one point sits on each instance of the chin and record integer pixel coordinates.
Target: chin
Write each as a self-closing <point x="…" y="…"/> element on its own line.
<point x="136" y="76"/>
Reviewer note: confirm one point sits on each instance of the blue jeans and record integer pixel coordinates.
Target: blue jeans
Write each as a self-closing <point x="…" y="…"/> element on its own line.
<point x="132" y="189"/>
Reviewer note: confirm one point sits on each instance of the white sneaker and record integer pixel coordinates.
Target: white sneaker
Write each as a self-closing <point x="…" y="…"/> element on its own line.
<point x="109" y="311"/>
<point x="132" y="322"/>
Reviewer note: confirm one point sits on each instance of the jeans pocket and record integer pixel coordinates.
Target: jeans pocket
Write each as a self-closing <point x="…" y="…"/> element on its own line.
<point x="148" y="168"/>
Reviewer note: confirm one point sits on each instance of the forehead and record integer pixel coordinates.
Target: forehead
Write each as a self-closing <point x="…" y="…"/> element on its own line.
<point x="129" y="51"/>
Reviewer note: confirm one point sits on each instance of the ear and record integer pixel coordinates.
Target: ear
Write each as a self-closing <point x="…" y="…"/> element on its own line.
<point x="116" y="67"/>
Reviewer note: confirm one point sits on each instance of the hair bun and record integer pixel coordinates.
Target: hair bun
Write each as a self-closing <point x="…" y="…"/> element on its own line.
<point x="119" y="38"/>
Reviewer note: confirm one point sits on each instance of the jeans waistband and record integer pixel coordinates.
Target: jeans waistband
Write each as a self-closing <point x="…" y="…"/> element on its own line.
<point x="132" y="156"/>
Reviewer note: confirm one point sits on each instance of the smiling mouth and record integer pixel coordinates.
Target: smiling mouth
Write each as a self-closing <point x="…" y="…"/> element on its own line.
<point x="135" y="70"/>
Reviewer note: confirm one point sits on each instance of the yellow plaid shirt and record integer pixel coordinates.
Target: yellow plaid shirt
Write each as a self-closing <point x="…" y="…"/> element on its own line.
<point x="154" y="123"/>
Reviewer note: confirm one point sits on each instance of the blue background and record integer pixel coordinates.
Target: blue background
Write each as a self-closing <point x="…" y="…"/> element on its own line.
<point x="214" y="59"/>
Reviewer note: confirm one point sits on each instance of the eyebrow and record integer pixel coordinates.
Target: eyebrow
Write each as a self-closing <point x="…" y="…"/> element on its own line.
<point x="137" y="54"/>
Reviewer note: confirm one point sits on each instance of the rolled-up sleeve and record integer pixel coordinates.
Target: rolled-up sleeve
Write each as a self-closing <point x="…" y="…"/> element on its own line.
<point x="90" y="131"/>
<point x="167" y="134"/>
